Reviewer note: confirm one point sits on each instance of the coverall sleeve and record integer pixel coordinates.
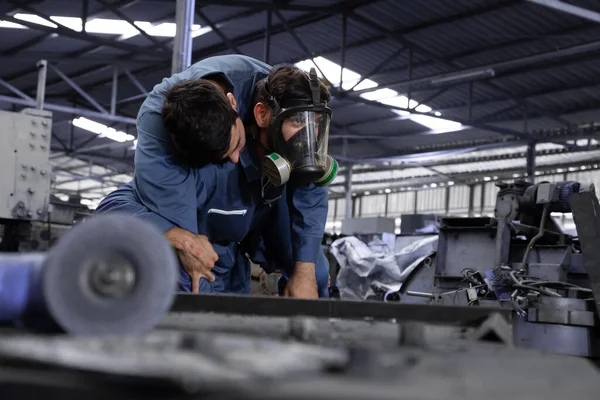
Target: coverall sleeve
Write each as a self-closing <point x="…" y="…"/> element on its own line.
<point x="167" y="189"/>
<point x="308" y="208"/>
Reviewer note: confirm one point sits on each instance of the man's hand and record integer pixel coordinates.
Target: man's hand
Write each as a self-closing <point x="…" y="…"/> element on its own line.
<point x="195" y="253"/>
<point x="303" y="283"/>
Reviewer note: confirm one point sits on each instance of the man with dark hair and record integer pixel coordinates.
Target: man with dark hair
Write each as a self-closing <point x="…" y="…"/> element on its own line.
<point x="197" y="181"/>
<point x="199" y="120"/>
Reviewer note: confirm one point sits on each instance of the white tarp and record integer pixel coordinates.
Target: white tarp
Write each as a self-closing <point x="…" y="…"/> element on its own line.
<point x="362" y="265"/>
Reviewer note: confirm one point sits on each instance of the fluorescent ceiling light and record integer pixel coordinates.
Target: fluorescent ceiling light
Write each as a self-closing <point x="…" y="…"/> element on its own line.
<point x="102" y="130"/>
<point x="106" y="26"/>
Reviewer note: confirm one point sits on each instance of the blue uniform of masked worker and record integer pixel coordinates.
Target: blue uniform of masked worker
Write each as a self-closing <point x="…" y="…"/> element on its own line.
<point x="223" y="201"/>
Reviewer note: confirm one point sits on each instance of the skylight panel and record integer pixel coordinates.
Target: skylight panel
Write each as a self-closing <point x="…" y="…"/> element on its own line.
<point x="105" y="26"/>
<point x="384" y="95"/>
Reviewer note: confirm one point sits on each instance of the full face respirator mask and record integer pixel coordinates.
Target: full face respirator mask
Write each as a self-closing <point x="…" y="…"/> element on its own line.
<point x="299" y="135"/>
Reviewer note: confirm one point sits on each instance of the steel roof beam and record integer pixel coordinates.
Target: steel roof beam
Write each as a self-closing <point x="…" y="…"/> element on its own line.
<point x="153" y="63"/>
<point x="454" y="64"/>
<point x="115" y="10"/>
<point x="69" y="110"/>
<point x="68" y="32"/>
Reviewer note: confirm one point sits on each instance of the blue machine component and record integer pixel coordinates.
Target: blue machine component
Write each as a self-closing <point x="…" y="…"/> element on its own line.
<point x="16" y="278"/>
<point x="109" y="275"/>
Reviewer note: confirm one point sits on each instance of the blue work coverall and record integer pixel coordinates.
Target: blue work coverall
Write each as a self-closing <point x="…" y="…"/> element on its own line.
<point x="222" y="201"/>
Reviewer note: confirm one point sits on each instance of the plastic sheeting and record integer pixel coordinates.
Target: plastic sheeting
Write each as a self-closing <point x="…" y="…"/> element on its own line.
<point x="363" y="266"/>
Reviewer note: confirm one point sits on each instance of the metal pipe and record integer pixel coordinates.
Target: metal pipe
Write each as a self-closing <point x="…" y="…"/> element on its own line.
<point x="182" y="45"/>
<point x="569" y="9"/>
<point x="501" y="66"/>
<point x="348" y="205"/>
<point x="64" y="109"/>
<point x="531" y="162"/>
<point x="420" y="294"/>
<point x="42" y="67"/>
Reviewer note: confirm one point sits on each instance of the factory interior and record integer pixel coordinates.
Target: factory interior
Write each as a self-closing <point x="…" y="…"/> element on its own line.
<point x="459" y="251"/>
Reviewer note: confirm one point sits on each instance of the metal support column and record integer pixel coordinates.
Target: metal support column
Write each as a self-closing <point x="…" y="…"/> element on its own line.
<point x="471" y="201"/>
<point x="42" y="67"/>
<point x="115" y="87"/>
<point x="531" y="162"/>
<point x="387" y="204"/>
<point x="482" y="209"/>
<point x="416" y="203"/>
<point x="71" y="143"/>
<point x="348" y="210"/>
<point x="182" y="45"/>
<point x="530" y="150"/>
<point x="335" y="209"/>
<point x="447" y="200"/>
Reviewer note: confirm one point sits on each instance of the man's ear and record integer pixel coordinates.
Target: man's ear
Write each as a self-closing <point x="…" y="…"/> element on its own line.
<point x="232" y="101"/>
<point x="262" y="115"/>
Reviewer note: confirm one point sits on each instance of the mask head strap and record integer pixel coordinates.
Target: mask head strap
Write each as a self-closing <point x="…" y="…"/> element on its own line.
<point x="314" y="88"/>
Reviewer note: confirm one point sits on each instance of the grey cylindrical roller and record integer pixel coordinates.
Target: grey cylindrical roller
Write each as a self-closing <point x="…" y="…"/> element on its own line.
<point x="114" y="274"/>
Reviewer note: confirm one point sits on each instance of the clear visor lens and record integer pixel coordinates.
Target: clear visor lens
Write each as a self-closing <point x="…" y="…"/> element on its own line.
<point x="305" y="136"/>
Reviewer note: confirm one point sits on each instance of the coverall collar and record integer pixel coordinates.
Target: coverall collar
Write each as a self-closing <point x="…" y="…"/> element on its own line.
<point x="250" y="162"/>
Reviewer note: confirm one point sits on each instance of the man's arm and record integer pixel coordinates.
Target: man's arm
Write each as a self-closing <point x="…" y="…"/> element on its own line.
<point x="308" y="208"/>
<point x="165" y="188"/>
<point x="171" y="193"/>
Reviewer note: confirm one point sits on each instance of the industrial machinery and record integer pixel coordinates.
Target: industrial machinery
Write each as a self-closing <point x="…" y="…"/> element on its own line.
<point x="30" y="218"/>
<point x="24" y="161"/>
<point x="243" y="347"/>
<point x="108" y="275"/>
<point x="521" y="259"/>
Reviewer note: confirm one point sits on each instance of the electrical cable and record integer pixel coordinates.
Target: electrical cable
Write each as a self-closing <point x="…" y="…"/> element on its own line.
<point x="536" y="289"/>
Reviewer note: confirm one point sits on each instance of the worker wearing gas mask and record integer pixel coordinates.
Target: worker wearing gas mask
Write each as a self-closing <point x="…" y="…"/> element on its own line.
<point x="290" y="135"/>
<point x="239" y="204"/>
